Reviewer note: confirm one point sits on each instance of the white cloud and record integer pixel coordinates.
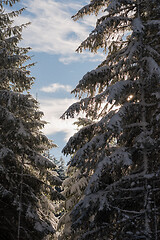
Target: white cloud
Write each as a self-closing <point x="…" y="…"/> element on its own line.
<point x="53" y="109"/>
<point x="53" y="31"/>
<point x="56" y="87"/>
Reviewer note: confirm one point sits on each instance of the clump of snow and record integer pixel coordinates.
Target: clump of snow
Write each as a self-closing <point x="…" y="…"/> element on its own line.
<point x="4" y="151"/>
<point x="43" y="227"/>
<point x="137" y="25"/>
<point x="116" y="89"/>
<point x="43" y="161"/>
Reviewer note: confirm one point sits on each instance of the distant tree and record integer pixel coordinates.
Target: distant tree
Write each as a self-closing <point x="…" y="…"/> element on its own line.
<point x="60" y="165"/>
<point x="27" y="181"/>
<point x="61" y="168"/>
<point x="120" y="150"/>
<point x="73" y="191"/>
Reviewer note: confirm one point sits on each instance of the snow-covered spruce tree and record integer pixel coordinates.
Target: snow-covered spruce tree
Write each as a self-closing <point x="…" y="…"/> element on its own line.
<point x="27" y="182"/>
<point x="120" y="151"/>
<point x="61" y="168"/>
<point x="73" y="191"/>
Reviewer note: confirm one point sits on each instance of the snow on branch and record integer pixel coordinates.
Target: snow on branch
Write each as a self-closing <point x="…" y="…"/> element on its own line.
<point x="132" y="50"/>
<point x="104" y="28"/>
<point x="152" y="52"/>
<point x="4" y="193"/>
<point x="13" y="100"/>
<point x="4" y="151"/>
<point x="94" y="6"/>
<point x="115" y="5"/>
<point x="76" y="108"/>
<point x="153" y="22"/>
<point x="117" y="89"/>
<point x="144" y="140"/>
<point x="43" y="161"/>
<point x="91" y="149"/>
<point x="91" y="80"/>
<point x="119" y="157"/>
<point x="137" y="26"/>
<point x="151" y="66"/>
<point x="79" y="139"/>
<point x="81" y="144"/>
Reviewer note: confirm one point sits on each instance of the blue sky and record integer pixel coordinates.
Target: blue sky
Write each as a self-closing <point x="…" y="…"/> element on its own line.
<point x="54" y="37"/>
